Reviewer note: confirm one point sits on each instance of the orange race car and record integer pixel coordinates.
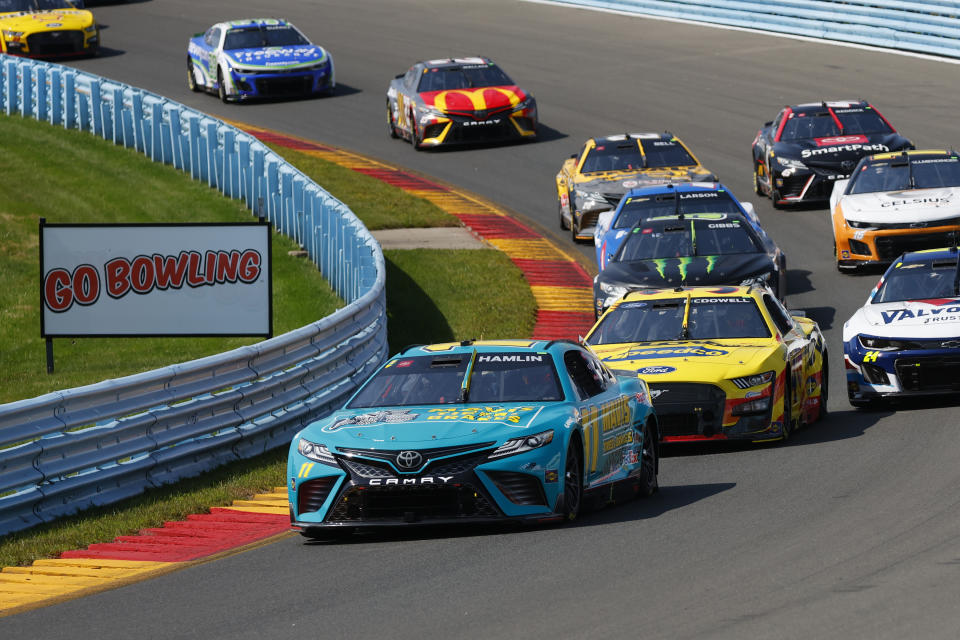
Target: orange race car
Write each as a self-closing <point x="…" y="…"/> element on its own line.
<point x="896" y="202"/>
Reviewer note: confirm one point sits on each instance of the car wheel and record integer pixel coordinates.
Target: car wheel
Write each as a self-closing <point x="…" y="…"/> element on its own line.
<point x="572" y="484"/>
<point x="414" y="135"/>
<point x="787" y="411"/>
<point x="191" y="79"/>
<point x="775" y="195"/>
<point x="824" y="385"/>
<point x="391" y="123"/>
<point x="221" y="89"/>
<point x="649" y="462"/>
<point x="563" y="223"/>
<point x="574" y="228"/>
<point x="756" y="178"/>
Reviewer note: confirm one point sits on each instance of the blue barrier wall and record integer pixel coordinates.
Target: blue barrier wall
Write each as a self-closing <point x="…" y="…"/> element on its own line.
<point x="69" y="450"/>
<point x="930" y="26"/>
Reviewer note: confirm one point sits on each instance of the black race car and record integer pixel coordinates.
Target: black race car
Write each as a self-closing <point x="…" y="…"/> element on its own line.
<point x="798" y="155"/>
<point x="692" y="249"/>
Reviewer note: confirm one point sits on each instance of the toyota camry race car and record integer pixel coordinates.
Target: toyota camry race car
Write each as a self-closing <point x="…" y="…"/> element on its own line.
<point x="799" y="154"/>
<point x="690" y="249"/>
<point x="594" y="180"/>
<point x="721" y="362"/>
<point x="896" y="202"/>
<point x="456" y="101"/>
<point x="258" y="58"/>
<point x="47" y="29"/>
<point x="476" y="431"/>
<point x="648" y="202"/>
<point x="905" y="341"/>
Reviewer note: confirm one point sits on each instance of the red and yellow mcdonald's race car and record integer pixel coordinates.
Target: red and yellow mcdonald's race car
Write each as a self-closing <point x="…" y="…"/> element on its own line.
<point x="720" y="362"/>
<point x="458" y="101"/>
<point x="47" y="29"/>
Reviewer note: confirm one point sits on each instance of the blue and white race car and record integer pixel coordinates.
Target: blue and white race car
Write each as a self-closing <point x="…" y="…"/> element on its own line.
<point x="476" y="431"/>
<point x="905" y="341"/>
<point x="258" y="58"/>
<point x="669" y="199"/>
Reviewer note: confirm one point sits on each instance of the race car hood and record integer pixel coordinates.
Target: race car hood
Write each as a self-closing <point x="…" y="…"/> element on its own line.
<point x="619" y="182"/>
<point x="468" y="101"/>
<point x="37" y="21"/>
<point x="688" y="360"/>
<point x="913" y="205"/>
<point x="936" y="318"/>
<point x="841" y="152"/>
<point x="277" y="57"/>
<point x="695" y="270"/>
<point x="404" y="426"/>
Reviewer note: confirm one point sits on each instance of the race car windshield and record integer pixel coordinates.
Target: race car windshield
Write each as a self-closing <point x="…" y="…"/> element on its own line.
<point x="918" y="281"/>
<point x="262" y="36"/>
<point x="676" y="237"/>
<point x="898" y="175"/>
<point x="802" y="125"/>
<point x="636" y="209"/>
<point x="656" y="320"/>
<point x="666" y="153"/>
<point x="617" y="156"/>
<point x="465" y="77"/>
<point x="494" y="377"/>
<point x="34" y="5"/>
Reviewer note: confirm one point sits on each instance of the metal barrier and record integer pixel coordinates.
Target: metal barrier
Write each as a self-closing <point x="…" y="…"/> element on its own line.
<point x="930" y="26"/>
<point x="93" y="445"/>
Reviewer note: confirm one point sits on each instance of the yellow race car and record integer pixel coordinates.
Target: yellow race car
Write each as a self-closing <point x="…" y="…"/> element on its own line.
<point x="593" y="180"/>
<point x="721" y="362"/>
<point x="47" y="29"/>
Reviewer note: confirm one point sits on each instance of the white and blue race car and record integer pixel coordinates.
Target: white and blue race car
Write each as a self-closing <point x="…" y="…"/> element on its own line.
<point x="258" y="58"/>
<point x="905" y="341"/>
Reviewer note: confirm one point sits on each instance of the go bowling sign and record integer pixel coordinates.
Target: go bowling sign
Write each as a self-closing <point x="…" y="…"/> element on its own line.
<point x="155" y="280"/>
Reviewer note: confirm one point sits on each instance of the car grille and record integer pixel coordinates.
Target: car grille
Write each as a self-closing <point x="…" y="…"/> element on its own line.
<point x="520" y="488"/>
<point x="284" y="86"/>
<point x="55" y="42"/>
<point x="688" y="409"/>
<point x="313" y="493"/>
<point x="481" y="132"/>
<point x="890" y="247"/>
<point x="938" y="374"/>
<point x="950" y="222"/>
<point x="412" y="504"/>
<point x="436" y="458"/>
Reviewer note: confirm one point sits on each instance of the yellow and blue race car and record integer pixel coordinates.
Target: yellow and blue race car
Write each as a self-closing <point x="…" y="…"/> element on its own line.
<point x="47" y="29"/>
<point x="720" y="362"/>
<point x="527" y="430"/>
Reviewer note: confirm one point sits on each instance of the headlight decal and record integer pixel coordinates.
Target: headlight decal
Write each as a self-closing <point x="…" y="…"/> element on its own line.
<point x="513" y="446"/>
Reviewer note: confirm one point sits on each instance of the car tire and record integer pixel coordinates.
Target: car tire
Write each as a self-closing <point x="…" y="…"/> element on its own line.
<point x="191" y="78"/>
<point x="572" y="483"/>
<point x="221" y="89"/>
<point x="787" y="410"/>
<point x="756" y="179"/>
<point x="649" y="461"/>
<point x="563" y="223"/>
<point x="574" y="228"/>
<point x="391" y="124"/>
<point x="824" y="385"/>
<point x="414" y="136"/>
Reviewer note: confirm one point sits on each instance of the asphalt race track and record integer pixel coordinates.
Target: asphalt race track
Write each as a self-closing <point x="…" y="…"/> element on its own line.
<point x="852" y="530"/>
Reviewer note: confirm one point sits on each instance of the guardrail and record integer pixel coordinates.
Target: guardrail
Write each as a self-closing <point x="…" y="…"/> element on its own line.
<point x="930" y="26"/>
<point x="93" y="445"/>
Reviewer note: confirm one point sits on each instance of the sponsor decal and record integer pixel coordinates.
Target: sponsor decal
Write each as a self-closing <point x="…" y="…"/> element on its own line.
<point x="473" y="99"/>
<point x="836" y="140"/>
<point x="723" y="225"/>
<point x="944" y="314"/>
<point x="907" y="201"/>
<point x="865" y="148"/>
<point x="933" y="160"/>
<point x="721" y="300"/>
<point x="871" y="356"/>
<point x="387" y="416"/>
<point x="705" y="194"/>
<point x="383" y="482"/>
<point x="664" y="143"/>
<point x="618" y="441"/>
<point x="519" y="357"/>
<point x="695" y="351"/>
<point x="521" y="416"/>
<point x="653" y="371"/>
<point x="480" y="123"/>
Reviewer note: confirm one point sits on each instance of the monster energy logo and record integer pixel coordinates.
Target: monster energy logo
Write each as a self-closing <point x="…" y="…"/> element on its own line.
<point x="683" y="265"/>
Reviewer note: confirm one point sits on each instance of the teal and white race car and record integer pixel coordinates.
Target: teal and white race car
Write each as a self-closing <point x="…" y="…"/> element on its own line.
<point x="476" y="431"/>
<point x="258" y="58"/>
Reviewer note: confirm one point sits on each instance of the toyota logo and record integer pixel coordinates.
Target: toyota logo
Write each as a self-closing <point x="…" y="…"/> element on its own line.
<point x="847" y="165"/>
<point x="409" y="459"/>
<point x="950" y="344"/>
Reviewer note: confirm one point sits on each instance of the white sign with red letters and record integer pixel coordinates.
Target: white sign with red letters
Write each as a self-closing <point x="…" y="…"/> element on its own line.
<point x="155" y="279"/>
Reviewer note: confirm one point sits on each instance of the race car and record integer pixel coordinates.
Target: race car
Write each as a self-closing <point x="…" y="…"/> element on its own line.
<point x="721" y="362"/>
<point x="646" y="202"/>
<point x="47" y="29"/>
<point x="692" y="249"/>
<point x="798" y="155"/>
<point x="896" y="202"/>
<point x="454" y="101"/>
<point x="594" y="180"/>
<point x="905" y="341"/>
<point x="258" y="58"/>
<point x="523" y="430"/>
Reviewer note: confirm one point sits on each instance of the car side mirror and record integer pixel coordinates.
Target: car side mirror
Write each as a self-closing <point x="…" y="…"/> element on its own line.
<point x="573" y="156"/>
<point x="399" y="75"/>
<point x="797" y="313"/>
<point x="767" y="124"/>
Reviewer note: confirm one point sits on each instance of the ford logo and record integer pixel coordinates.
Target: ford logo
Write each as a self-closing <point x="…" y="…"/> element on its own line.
<point x="652" y="371"/>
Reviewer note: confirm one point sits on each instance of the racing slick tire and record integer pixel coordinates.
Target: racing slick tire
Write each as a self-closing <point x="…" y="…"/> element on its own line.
<point x="191" y="78"/>
<point x="572" y="483"/>
<point x="221" y="90"/>
<point x="787" y="412"/>
<point x="574" y="229"/>
<point x="824" y="385"/>
<point x="563" y="223"/>
<point x="391" y="124"/>
<point x="756" y="178"/>
<point x="414" y="135"/>
<point x="649" y="462"/>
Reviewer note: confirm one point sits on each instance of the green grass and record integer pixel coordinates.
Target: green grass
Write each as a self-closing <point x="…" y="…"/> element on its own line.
<point x="432" y="296"/>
